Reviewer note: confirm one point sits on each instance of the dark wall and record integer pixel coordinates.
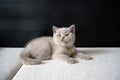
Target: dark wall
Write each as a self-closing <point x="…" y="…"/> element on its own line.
<point x="96" y="21"/>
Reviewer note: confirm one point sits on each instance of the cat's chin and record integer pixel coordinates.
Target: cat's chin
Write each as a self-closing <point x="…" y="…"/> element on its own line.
<point x="61" y="43"/>
<point x="64" y="43"/>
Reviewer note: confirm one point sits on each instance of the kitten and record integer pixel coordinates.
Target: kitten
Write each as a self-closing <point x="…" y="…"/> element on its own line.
<point x="60" y="46"/>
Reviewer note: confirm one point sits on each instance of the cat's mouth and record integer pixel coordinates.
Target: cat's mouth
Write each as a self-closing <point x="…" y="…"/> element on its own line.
<point x="62" y="39"/>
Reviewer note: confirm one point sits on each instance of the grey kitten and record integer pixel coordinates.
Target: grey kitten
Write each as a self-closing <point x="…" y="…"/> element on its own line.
<point x="60" y="47"/>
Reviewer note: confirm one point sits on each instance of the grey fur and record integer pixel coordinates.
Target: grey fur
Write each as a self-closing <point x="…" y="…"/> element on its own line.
<point x="59" y="47"/>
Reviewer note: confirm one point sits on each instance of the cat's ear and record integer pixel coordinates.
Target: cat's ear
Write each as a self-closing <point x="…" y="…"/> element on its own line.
<point x="54" y="29"/>
<point x="72" y="28"/>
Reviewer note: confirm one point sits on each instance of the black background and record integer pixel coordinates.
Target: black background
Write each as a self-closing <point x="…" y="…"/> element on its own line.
<point x="96" y="21"/>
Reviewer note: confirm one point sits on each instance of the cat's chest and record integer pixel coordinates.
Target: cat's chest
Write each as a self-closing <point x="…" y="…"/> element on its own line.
<point x="69" y="51"/>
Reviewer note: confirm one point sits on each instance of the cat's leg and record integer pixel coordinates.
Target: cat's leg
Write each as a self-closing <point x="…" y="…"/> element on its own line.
<point x="82" y="56"/>
<point x="64" y="58"/>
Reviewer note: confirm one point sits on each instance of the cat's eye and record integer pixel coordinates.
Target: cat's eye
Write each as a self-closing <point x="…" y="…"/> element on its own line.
<point x="66" y="34"/>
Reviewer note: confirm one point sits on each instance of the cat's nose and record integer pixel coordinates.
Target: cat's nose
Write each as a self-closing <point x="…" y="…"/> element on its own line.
<point x="63" y="37"/>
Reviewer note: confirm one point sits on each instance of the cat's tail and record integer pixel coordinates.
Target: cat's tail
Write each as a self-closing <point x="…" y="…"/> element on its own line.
<point x="28" y="59"/>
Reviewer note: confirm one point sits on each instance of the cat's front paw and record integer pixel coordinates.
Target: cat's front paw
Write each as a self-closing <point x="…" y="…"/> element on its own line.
<point x="86" y="57"/>
<point x="72" y="61"/>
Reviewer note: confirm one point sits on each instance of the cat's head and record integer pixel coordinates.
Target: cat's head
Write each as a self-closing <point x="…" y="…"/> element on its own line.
<point x="64" y="36"/>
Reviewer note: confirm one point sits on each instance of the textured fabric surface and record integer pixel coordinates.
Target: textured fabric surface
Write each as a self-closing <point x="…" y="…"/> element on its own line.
<point x="104" y="66"/>
<point x="9" y="62"/>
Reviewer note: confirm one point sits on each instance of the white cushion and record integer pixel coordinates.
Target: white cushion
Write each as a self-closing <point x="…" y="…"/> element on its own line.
<point x="9" y="62"/>
<point x="104" y="66"/>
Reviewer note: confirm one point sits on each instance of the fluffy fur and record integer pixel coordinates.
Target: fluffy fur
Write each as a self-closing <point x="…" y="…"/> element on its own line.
<point x="60" y="47"/>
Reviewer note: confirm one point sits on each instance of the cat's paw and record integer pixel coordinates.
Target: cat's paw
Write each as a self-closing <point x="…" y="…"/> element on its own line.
<point x="72" y="61"/>
<point x="86" y="57"/>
